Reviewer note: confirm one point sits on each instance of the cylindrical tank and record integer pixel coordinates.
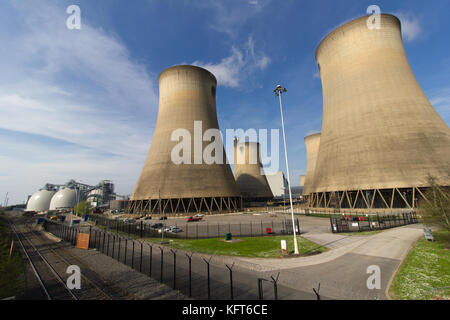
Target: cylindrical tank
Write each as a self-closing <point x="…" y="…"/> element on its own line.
<point x="379" y="130"/>
<point x="187" y="94"/>
<point x="312" y="143"/>
<point x="40" y="201"/>
<point x="95" y="196"/>
<point x="64" y="199"/>
<point x="248" y="172"/>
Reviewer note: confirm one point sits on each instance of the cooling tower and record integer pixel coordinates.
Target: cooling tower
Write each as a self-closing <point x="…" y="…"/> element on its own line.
<point x="187" y="94"/>
<point x="302" y="180"/>
<point x="312" y="143"/>
<point x="381" y="137"/>
<point x="249" y="173"/>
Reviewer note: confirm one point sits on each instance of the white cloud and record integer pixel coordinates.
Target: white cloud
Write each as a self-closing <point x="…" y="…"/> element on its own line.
<point x="229" y="16"/>
<point x="241" y="64"/>
<point x="79" y="86"/>
<point x="411" y="28"/>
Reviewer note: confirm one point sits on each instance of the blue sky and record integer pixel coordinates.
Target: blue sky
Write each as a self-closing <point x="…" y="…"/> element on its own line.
<point x="82" y="104"/>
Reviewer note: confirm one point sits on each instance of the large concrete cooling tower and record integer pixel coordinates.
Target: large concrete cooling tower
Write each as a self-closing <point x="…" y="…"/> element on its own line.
<point x="187" y="94"/>
<point x="312" y="143"/>
<point x="248" y="172"/>
<point x="381" y="137"/>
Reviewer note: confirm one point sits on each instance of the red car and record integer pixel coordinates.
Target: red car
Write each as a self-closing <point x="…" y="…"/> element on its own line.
<point x="193" y="219"/>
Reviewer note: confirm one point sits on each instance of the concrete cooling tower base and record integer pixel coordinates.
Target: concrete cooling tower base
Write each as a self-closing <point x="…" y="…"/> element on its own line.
<point x="184" y="205"/>
<point x="399" y="198"/>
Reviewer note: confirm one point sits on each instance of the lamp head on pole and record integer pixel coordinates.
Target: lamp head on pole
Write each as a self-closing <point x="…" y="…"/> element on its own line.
<point x="279" y="90"/>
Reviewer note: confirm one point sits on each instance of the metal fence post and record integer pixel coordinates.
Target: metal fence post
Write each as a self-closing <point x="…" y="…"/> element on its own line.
<point x="151" y="258"/>
<point x="275" y="286"/>
<point x="208" y="274"/>
<point x="118" y="253"/>
<point x="114" y="245"/>
<point x="126" y="249"/>
<point x="132" y="257"/>
<point x="107" y="247"/>
<point x="174" y="252"/>
<point x="142" y="229"/>
<point x="317" y="292"/>
<point x="162" y="263"/>
<point x="251" y="229"/>
<point x="140" y="263"/>
<point x="231" y="279"/>
<point x="190" y="273"/>
<point x="260" y="289"/>
<point x="90" y="232"/>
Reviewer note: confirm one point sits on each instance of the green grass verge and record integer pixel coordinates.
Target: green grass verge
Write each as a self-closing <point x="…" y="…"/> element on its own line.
<point x="427" y="266"/>
<point x="11" y="268"/>
<point x="260" y="247"/>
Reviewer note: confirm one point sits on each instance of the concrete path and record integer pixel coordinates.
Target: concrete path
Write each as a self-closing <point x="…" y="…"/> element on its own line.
<point x="342" y="271"/>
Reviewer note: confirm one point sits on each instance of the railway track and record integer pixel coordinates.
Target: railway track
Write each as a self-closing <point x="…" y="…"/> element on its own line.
<point x="48" y="266"/>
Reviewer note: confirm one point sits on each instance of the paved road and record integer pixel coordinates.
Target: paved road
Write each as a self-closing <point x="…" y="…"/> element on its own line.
<point x="341" y="271"/>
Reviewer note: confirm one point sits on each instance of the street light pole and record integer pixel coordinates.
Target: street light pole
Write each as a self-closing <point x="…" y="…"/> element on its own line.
<point x="278" y="91"/>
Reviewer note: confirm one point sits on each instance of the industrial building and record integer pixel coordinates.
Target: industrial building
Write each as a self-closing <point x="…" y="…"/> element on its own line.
<point x="249" y="173"/>
<point x="278" y="184"/>
<point x="381" y="138"/>
<point x="187" y="94"/>
<point x="67" y="196"/>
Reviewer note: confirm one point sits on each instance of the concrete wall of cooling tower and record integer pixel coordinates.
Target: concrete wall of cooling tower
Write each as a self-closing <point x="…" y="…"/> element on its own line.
<point x="248" y="172"/>
<point x="187" y="94"/>
<point x="312" y="143"/>
<point x="379" y="130"/>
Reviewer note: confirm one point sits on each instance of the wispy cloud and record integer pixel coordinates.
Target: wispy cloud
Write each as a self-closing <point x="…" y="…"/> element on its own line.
<point x="80" y="87"/>
<point x="229" y="16"/>
<point x="411" y="28"/>
<point x="241" y="64"/>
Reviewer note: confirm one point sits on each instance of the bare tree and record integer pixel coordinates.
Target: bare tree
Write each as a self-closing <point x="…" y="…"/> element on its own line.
<point x="435" y="208"/>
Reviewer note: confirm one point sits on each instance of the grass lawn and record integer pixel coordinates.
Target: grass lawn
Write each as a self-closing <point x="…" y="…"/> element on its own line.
<point x="11" y="269"/>
<point x="426" y="267"/>
<point x="261" y="247"/>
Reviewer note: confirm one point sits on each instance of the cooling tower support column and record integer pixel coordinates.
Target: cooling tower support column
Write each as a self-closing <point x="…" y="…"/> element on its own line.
<point x="187" y="102"/>
<point x="381" y="138"/>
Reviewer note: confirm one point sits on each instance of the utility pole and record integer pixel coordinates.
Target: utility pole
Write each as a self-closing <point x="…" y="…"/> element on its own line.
<point x="278" y="92"/>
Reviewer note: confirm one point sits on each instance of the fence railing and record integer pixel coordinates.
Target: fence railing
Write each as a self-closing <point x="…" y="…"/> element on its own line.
<point x="192" y="274"/>
<point x="359" y="223"/>
<point x="195" y="230"/>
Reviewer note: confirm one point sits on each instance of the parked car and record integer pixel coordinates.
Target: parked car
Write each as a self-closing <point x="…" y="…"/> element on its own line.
<point x="193" y="219"/>
<point x="148" y="218"/>
<point x="163" y="218"/>
<point x="129" y="221"/>
<point x="157" y="226"/>
<point x="199" y="215"/>
<point x="175" y="230"/>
